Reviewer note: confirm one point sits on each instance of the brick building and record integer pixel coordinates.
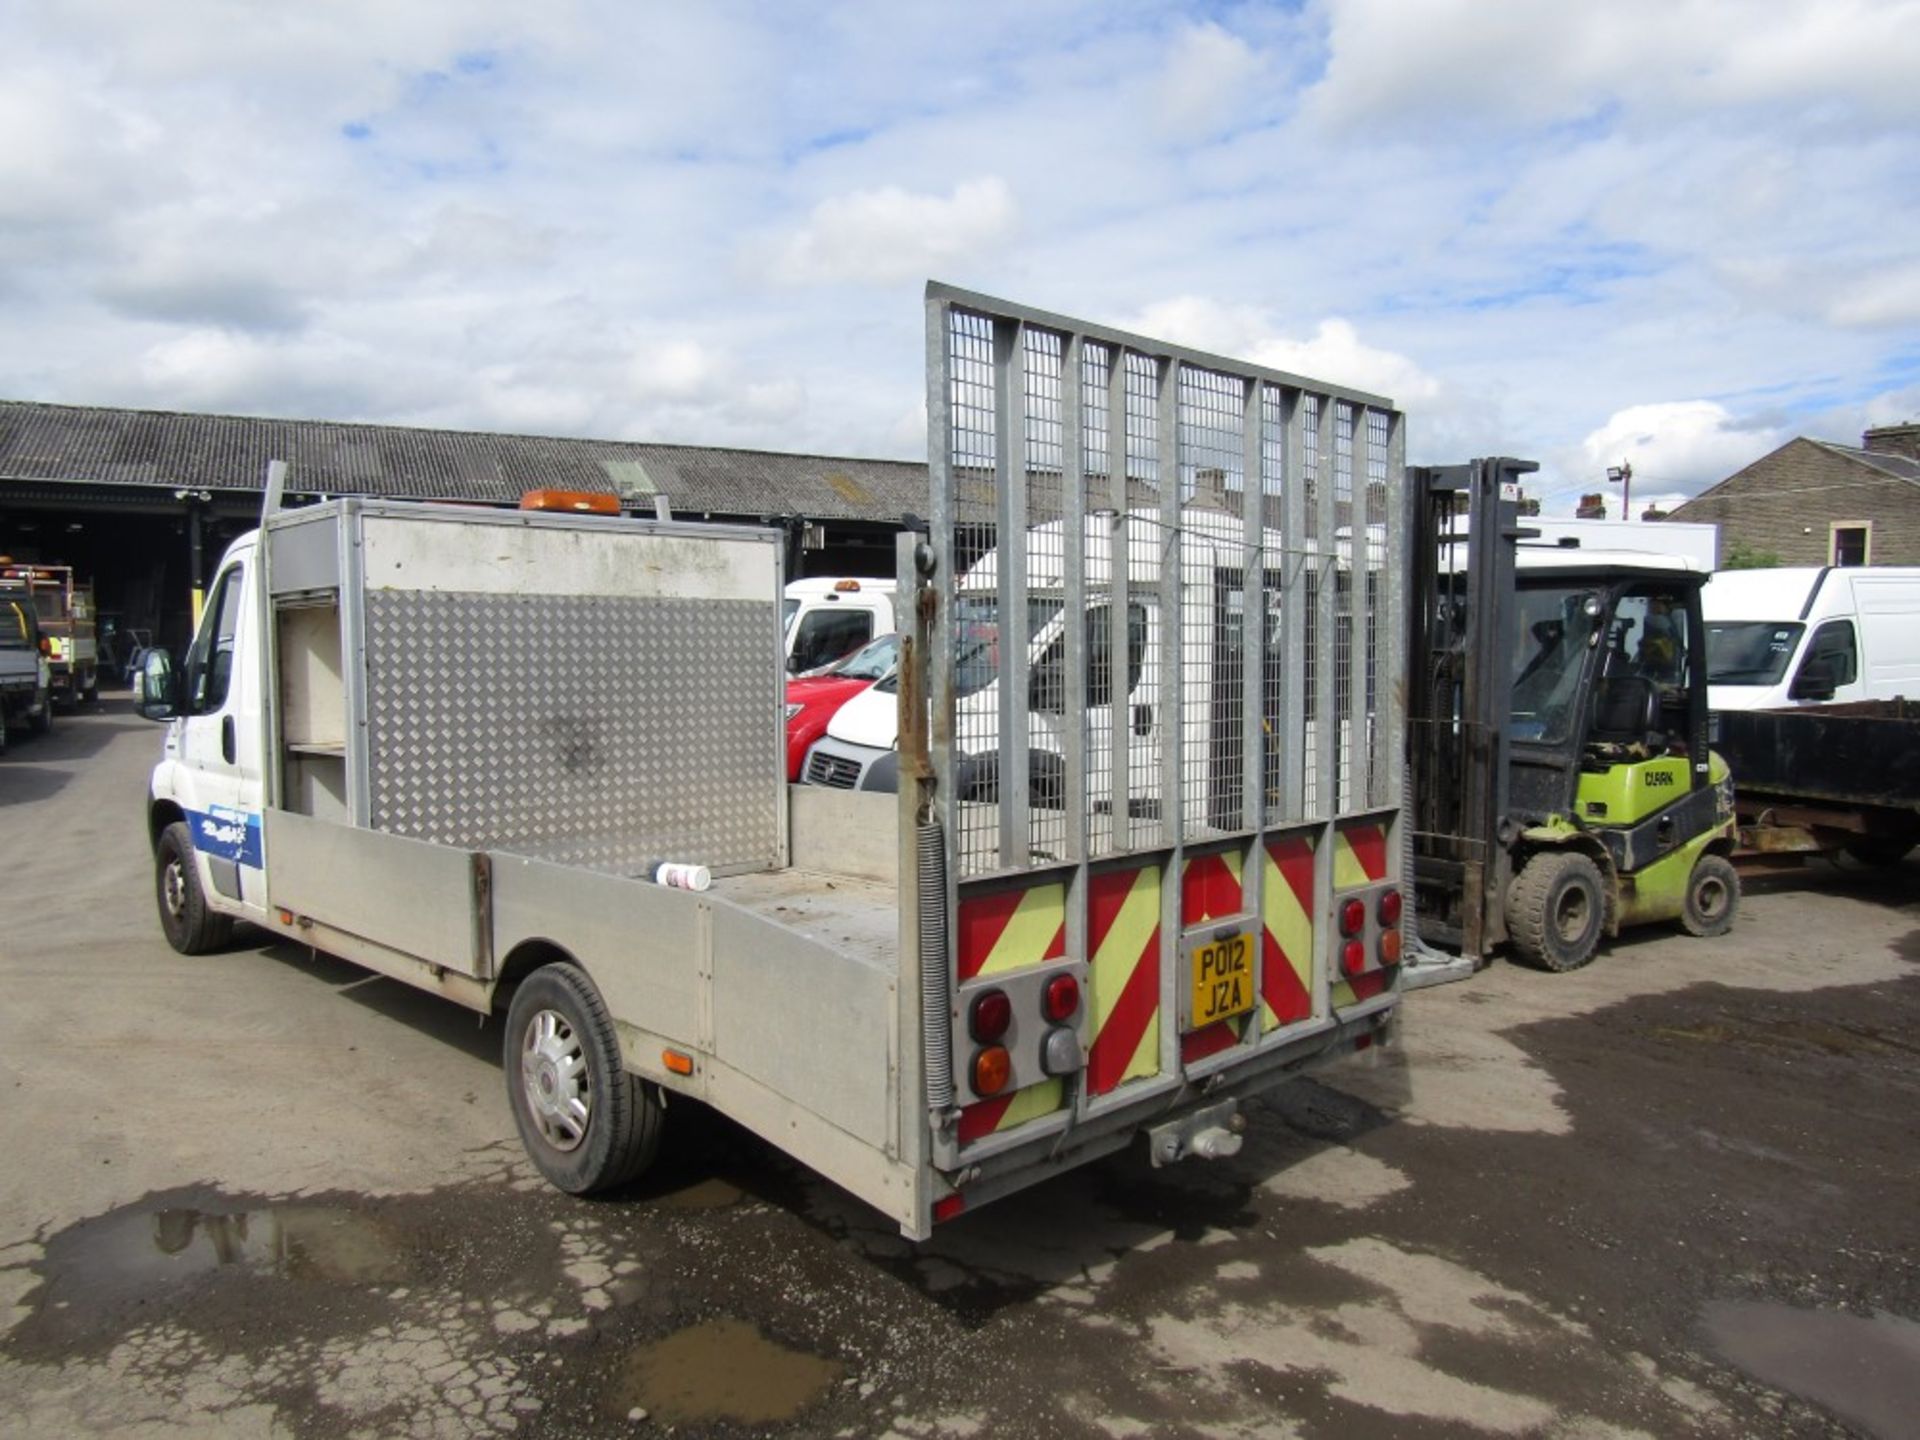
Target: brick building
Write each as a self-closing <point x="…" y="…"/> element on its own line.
<point x="1812" y="502"/>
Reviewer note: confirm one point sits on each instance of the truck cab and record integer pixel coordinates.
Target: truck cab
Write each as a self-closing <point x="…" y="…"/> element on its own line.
<point x="26" y="696"/>
<point x="207" y="790"/>
<point x="1811" y="635"/>
<point x="825" y="618"/>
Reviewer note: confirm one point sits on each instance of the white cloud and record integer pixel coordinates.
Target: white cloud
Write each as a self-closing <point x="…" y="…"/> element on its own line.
<point x="890" y="234"/>
<point x="1206" y="76"/>
<point x="1396" y="62"/>
<point x="1887" y="296"/>
<point x="1333" y="353"/>
<point x="620" y="220"/>
<point x="1675" y="446"/>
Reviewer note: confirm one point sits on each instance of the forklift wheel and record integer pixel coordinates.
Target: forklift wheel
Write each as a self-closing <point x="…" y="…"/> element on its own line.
<point x="1713" y="895"/>
<point x="1556" y="910"/>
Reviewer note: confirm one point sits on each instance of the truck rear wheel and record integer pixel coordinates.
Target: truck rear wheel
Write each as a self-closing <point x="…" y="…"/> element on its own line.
<point x="1556" y="910"/>
<point x="1713" y="895"/>
<point x="191" y="927"/>
<point x="587" y="1125"/>
<point x="1879" y="849"/>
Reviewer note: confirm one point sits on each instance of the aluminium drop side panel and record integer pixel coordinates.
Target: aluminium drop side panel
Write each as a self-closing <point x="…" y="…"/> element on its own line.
<point x="810" y="1021"/>
<point x="405" y="895"/>
<point x="793" y="1037"/>
<point x="639" y="941"/>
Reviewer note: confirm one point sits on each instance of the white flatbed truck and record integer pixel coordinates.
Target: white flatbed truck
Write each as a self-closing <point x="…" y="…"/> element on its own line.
<point x="452" y="745"/>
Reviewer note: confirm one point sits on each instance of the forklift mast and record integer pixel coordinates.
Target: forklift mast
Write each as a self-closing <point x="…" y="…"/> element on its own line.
<point x="1460" y="683"/>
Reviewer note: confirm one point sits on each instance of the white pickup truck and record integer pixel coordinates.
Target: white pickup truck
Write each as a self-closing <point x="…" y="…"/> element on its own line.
<point x="455" y="746"/>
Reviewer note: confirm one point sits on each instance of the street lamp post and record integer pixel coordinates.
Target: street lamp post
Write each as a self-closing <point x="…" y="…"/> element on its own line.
<point x="1622" y="475"/>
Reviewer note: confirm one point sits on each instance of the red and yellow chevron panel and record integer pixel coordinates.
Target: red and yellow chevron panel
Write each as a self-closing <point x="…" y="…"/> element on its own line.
<point x="1002" y="930"/>
<point x="998" y="931"/>
<point x="1123" y="936"/>
<point x="1359" y="854"/>
<point x="1359" y="858"/>
<point x="1286" y="905"/>
<point x="1360" y="987"/>
<point x="1210" y="890"/>
<point x="1004" y="1112"/>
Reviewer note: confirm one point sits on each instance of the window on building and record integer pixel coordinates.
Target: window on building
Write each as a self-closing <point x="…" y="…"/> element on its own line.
<point x="1851" y="543"/>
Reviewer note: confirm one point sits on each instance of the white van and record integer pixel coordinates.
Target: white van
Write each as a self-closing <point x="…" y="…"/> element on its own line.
<point x="1811" y="634"/>
<point x="859" y="749"/>
<point x="828" y="617"/>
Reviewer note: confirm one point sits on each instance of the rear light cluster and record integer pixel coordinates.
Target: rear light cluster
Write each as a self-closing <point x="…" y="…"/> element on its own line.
<point x="990" y="1017"/>
<point x="1384" y="908"/>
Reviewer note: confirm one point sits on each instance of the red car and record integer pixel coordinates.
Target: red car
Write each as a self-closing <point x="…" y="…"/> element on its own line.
<point x="813" y="697"/>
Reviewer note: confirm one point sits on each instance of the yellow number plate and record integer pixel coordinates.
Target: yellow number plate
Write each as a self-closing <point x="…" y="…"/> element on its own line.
<point x="1221" y="974"/>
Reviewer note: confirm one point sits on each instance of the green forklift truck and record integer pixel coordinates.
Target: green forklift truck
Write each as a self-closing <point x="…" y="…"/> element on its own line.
<point x="1562" y="783"/>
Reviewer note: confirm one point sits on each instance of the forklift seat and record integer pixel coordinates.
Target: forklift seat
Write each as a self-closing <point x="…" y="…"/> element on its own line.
<point x="1626" y="711"/>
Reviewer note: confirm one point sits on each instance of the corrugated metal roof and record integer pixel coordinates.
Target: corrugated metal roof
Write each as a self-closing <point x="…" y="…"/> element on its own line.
<point x="88" y="444"/>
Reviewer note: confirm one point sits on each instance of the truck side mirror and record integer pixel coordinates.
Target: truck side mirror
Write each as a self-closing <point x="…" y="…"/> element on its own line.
<point x="1816" y="680"/>
<point x="159" y="695"/>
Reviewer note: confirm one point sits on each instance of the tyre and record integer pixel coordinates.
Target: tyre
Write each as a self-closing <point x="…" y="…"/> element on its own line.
<point x="191" y="927"/>
<point x="1879" y="850"/>
<point x="1713" y="895"/>
<point x="1556" y="910"/>
<point x="587" y="1125"/>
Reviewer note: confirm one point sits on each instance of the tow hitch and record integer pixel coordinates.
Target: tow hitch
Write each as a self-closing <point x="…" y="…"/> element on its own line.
<point x="1213" y="1134"/>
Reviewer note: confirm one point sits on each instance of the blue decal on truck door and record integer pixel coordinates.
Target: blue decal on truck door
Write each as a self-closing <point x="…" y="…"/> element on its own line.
<point x="231" y="834"/>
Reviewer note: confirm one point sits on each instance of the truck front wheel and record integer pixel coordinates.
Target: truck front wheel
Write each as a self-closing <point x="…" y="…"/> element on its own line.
<point x="1556" y="910"/>
<point x="1713" y="894"/>
<point x="587" y="1124"/>
<point x="191" y="927"/>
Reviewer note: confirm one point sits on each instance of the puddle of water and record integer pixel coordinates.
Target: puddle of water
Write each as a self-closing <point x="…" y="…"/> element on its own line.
<point x="709" y="1194"/>
<point x="132" y="1255"/>
<point x="1866" y="1371"/>
<point x="721" y="1370"/>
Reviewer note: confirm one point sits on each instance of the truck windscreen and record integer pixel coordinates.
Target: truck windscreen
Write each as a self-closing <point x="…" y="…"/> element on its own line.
<point x="1750" y="652"/>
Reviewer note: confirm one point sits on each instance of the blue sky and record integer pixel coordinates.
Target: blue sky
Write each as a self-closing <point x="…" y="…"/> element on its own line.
<point x="1676" y="233"/>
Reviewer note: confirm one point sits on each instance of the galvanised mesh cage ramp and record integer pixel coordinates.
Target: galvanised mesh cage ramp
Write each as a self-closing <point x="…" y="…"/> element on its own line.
<point x="1266" y="707"/>
<point x="1170" y="615"/>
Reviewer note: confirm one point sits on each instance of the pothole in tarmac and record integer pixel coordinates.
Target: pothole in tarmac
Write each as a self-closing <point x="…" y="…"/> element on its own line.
<point x="1865" y="1370"/>
<point x="483" y="1309"/>
<point x="721" y="1370"/>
